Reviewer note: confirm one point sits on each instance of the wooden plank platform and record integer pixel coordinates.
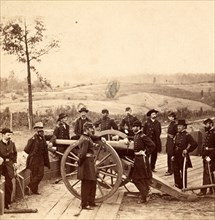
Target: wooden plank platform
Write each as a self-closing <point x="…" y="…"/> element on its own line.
<point x="55" y="201"/>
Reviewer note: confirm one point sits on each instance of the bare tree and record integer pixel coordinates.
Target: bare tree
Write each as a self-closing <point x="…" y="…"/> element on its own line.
<point x="24" y="41"/>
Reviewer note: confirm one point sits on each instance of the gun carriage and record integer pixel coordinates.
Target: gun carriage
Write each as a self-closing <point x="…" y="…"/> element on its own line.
<point x="113" y="163"/>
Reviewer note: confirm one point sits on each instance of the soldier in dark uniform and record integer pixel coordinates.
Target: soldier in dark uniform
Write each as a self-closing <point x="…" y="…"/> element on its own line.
<point x="60" y="132"/>
<point x="8" y="160"/>
<point x="184" y="143"/>
<point x="37" y="151"/>
<point x="208" y="156"/>
<point x="152" y="128"/>
<point x="127" y="123"/>
<point x="171" y="132"/>
<point x="86" y="168"/>
<point x="78" y="127"/>
<point x="142" y="174"/>
<point x="105" y="122"/>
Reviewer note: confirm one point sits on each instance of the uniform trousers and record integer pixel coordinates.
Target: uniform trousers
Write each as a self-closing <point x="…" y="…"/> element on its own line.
<point x="88" y="192"/>
<point x="8" y="189"/>
<point x="206" y="176"/>
<point x="154" y="156"/>
<point x="37" y="173"/>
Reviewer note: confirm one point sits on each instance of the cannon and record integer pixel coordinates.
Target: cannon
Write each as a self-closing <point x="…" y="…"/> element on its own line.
<point x="113" y="163"/>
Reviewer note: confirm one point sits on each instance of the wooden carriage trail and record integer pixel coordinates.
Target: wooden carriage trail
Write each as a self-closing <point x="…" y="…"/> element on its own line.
<point x="56" y="202"/>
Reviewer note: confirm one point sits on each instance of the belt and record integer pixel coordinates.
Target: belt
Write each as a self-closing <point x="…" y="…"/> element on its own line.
<point x="6" y="159"/>
<point x="141" y="153"/>
<point x="170" y="135"/>
<point x="89" y="155"/>
<point x="209" y="148"/>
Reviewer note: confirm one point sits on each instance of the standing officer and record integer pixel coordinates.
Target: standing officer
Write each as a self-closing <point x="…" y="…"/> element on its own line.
<point x="78" y="127"/>
<point x="152" y="128"/>
<point x="208" y="156"/>
<point x="105" y="122"/>
<point x="142" y="174"/>
<point x="37" y="151"/>
<point x="183" y="144"/>
<point x="127" y="123"/>
<point x="171" y="132"/>
<point x="86" y="167"/>
<point x="61" y="131"/>
<point x="8" y="159"/>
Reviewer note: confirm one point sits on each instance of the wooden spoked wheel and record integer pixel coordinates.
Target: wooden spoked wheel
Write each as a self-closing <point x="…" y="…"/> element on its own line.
<point x="108" y="169"/>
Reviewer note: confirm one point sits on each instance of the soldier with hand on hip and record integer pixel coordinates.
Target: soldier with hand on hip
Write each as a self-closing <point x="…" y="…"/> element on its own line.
<point x="208" y="156"/>
<point x="38" y="158"/>
<point x="142" y="174"/>
<point x="8" y="160"/>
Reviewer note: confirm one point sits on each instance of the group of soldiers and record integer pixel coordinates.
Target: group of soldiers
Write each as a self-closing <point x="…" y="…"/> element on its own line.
<point x="147" y="145"/>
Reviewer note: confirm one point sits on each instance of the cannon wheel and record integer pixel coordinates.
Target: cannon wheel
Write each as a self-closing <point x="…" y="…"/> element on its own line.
<point x="107" y="164"/>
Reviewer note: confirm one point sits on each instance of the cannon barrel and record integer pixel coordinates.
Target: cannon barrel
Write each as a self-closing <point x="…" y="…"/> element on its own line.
<point x="121" y="144"/>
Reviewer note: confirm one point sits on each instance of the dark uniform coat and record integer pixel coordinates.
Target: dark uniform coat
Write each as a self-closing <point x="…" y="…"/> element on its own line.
<point x="209" y="147"/>
<point x="9" y="154"/>
<point x="86" y="169"/>
<point x="129" y="121"/>
<point x="153" y="130"/>
<point x="32" y="148"/>
<point x="142" y="168"/>
<point x="171" y="132"/>
<point x="183" y="140"/>
<point x="106" y="124"/>
<point x="78" y="127"/>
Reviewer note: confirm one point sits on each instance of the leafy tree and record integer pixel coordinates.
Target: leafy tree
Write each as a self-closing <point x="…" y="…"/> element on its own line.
<point x="27" y="43"/>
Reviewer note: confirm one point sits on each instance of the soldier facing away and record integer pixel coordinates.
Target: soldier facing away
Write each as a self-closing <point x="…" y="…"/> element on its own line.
<point x="37" y="151"/>
<point x="8" y="160"/>
<point x="142" y="174"/>
<point x="208" y="156"/>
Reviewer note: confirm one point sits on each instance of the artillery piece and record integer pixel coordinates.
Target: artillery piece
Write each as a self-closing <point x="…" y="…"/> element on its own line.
<point x="113" y="164"/>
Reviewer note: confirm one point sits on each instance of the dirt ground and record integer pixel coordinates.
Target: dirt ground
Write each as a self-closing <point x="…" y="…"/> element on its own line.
<point x="165" y="207"/>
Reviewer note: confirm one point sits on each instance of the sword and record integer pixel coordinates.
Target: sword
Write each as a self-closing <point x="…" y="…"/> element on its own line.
<point x="210" y="174"/>
<point x="184" y="169"/>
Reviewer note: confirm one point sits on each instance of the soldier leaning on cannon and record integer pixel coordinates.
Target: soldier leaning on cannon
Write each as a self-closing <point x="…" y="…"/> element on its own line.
<point x="61" y="131"/>
<point x="142" y="174"/>
<point x="184" y="143"/>
<point x="152" y="128"/>
<point x="37" y="151"/>
<point x="86" y="167"/>
<point x="208" y="156"/>
<point x="8" y="160"/>
<point x="79" y="122"/>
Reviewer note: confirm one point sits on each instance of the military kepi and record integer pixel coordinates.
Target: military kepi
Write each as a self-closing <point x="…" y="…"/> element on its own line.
<point x="208" y="120"/>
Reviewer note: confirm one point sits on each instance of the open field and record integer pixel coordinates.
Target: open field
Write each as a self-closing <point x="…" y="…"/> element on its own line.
<point x="140" y="97"/>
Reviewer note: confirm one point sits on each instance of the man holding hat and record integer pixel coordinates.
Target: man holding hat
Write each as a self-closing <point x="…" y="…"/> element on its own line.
<point x="127" y="123"/>
<point x="105" y="122"/>
<point x="171" y="132"/>
<point x="8" y="160"/>
<point x="152" y="128"/>
<point x="37" y="159"/>
<point x="142" y="174"/>
<point x="184" y="143"/>
<point x="61" y="131"/>
<point x="78" y="127"/>
<point x="208" y="156"/>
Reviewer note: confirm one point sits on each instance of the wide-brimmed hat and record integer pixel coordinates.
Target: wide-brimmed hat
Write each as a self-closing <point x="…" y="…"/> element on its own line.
<point x="208" y="120"/>
<point x="137" y="124"/>
<point x="38" y="125"/>
<point x="88" y="125"/>
<point x="182" y="122"/>
<point x="61" y="116"/>
<point x="6" y="130"/>
<point x="83" y="109"/>
<point x="105" y="111"/>
<point x="151" y="111"/>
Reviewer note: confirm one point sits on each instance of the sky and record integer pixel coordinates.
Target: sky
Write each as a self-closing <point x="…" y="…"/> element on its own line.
<point x="114" y="38"/>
